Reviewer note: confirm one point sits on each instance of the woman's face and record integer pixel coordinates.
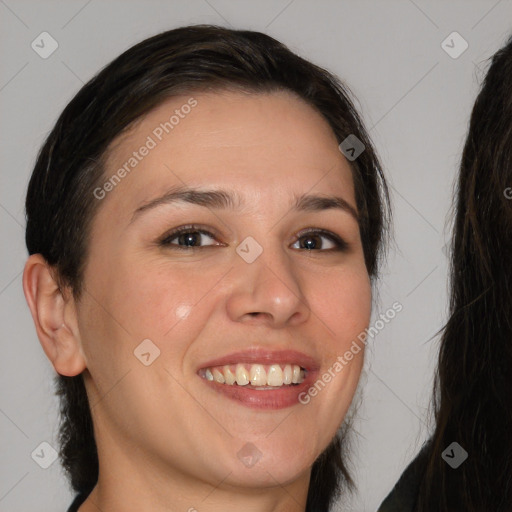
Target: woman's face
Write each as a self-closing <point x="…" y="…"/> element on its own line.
<point x="250" y="292"/>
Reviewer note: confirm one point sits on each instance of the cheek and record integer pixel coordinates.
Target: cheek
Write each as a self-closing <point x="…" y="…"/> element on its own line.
<point x="135" y="302"/>
<point x="151" y="300"/>
<point x="341" y="303"/>
<point x="342" y="300"/>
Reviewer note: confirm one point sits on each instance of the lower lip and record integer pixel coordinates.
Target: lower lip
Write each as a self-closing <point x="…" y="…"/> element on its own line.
<point x="286" y="396"/>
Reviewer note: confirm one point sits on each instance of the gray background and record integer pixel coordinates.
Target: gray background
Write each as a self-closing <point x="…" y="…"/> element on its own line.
<point x="415" y="98"/>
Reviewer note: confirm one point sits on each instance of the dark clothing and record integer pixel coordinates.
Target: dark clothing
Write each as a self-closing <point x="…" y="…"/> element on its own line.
<point x="79" y="499"/>
<point x="404" y="495"/>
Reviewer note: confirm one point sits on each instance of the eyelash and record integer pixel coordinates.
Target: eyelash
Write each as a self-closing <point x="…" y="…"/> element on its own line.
<point x="341" y="245"/>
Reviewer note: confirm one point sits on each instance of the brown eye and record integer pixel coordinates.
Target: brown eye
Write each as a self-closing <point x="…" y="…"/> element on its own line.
<point x="188" y="237"/>
<point x="315" y="240"/>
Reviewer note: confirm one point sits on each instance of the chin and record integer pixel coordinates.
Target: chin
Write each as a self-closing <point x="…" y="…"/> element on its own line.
<point x="265" y="462"/>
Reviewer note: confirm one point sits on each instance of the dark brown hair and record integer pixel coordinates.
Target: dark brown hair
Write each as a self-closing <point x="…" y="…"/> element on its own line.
<point x="60" y="204"/>
<point x="474" y="378"/>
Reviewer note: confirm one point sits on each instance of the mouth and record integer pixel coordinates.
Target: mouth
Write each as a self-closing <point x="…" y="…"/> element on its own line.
<point x="257" y="376"/>
<point x="261" y="379"/>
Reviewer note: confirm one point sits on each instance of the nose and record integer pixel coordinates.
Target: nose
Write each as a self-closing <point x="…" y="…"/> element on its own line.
<point x="268" y="292"/>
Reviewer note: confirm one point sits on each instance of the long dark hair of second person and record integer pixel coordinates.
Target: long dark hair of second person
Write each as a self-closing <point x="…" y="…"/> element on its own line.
<point x="472" y="398"/>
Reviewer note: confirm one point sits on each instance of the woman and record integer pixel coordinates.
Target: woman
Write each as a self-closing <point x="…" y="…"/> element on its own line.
<point x="201" y="252"/>
<point x="467" y="464"/>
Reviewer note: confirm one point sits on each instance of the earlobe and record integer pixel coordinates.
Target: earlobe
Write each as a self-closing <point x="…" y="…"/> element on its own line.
<point x="54" y="317"/>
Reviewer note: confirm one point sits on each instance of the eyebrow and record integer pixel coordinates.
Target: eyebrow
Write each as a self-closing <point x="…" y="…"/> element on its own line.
<point x="223" y="199"/>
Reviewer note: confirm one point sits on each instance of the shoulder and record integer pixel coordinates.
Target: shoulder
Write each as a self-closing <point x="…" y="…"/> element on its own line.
<point x="404" y="494"/>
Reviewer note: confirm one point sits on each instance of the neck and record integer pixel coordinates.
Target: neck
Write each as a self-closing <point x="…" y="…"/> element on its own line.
<point x="128" y="497"/>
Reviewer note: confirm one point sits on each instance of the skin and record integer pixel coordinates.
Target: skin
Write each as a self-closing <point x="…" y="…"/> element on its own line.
<point x="166" y="441"/>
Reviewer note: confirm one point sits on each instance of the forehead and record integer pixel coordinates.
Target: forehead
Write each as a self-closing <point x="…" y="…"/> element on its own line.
<point x="258" y="143"/>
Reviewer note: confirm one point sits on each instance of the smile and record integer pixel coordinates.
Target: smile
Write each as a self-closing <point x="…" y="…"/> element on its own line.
<point x="258" y="376"/>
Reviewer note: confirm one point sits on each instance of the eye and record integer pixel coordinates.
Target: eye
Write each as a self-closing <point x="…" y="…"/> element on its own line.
<point x="313" y="240"/>
<point x="188" y="237"/>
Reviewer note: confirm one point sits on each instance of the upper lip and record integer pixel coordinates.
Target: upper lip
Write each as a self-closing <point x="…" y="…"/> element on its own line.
<point x="264" y="356"/>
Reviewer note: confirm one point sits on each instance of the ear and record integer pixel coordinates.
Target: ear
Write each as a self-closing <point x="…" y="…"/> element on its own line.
<point x="55" y="317"/>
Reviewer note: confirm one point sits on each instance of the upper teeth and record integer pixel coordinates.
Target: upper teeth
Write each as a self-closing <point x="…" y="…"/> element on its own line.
<point x="257" y="374"/>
